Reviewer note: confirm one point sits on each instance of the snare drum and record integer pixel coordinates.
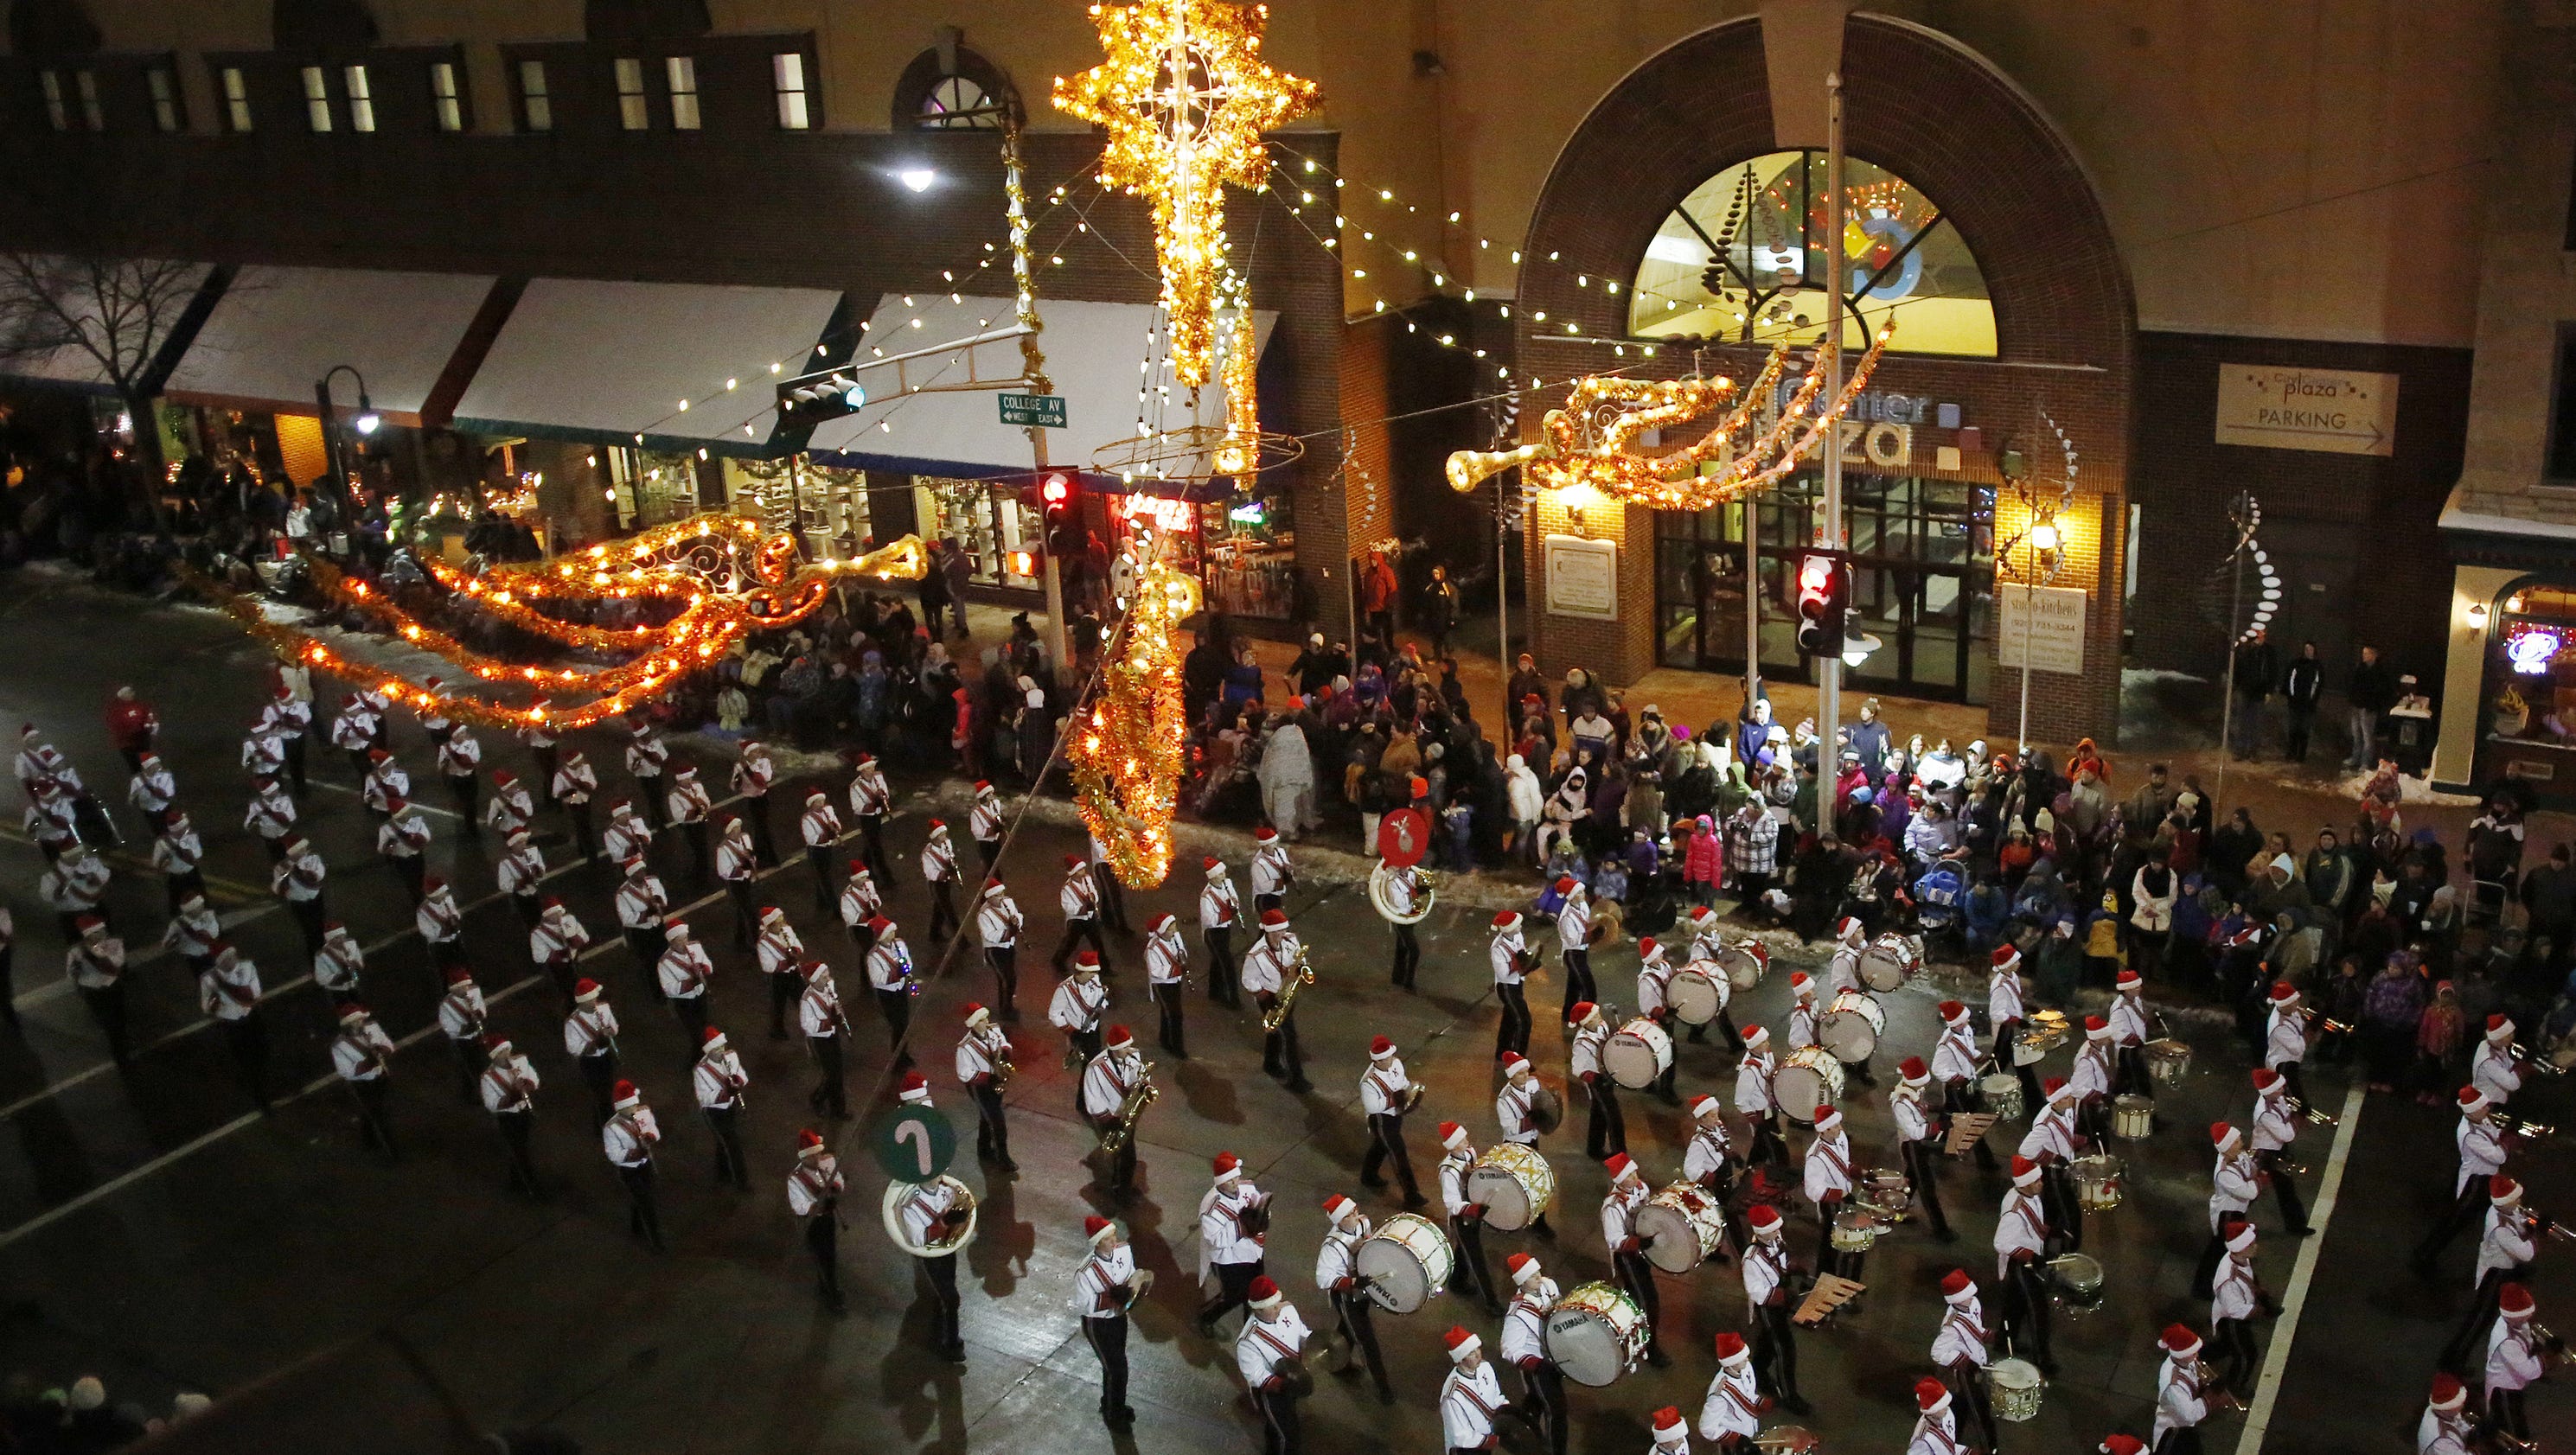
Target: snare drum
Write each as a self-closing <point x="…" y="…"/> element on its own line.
<point x="1682" y="1227"/>
<point x="2002" y="1093"/>
<point x="1404" y="1262"/>
<point x="1595" y="1334"/>
<point x="2097" y="1181"/>
<point x="2132" y="1117"/>
<point x="1809" y="1080"/>
<point x="1638" y="1054"/>
<point x="1746" y="962"/>
<point x="2079" y="1281"/>
<point x="2017" y="1388"/>
<point x="1699" y="993"/>
<point x="2168" y="1062"/>
<point x="1890" y="961"/>
<point x="1514" y="1184"/>
<point x="1884" y="1191"/>
<point x="1851" y="1025"/>
<point x="1856" y="1230"/>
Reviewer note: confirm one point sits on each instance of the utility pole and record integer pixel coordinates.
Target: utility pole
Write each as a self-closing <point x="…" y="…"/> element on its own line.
<point x="1829" y="672"/>
<point x="1033" y="360"/>
<point x="1503" y="512"/>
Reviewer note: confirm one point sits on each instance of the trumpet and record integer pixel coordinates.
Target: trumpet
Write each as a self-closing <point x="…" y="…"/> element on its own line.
<point x="2319" y="1118"/>
<point x="2215" y="1390"/>
<point x="1139" y="1096"/>
<point x="2341" y="1027"/>
<point x="1300" y="976"/>
<point x="2524" y="1127"/>
<point x="2543" y="1225"/>
<point x="2537" y="1065"/>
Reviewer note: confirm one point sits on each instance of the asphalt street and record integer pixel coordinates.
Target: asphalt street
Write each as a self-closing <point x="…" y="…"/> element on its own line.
<point x="156" y="1229"/>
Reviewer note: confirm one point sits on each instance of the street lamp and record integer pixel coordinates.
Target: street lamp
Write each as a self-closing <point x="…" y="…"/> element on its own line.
<point x="365" y="421"/>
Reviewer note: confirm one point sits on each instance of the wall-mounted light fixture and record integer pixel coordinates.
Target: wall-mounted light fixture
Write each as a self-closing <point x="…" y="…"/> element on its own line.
<point x="2477" y="615"/>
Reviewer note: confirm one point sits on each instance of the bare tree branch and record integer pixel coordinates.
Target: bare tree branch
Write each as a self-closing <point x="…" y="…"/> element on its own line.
<point x="118" y="312"/>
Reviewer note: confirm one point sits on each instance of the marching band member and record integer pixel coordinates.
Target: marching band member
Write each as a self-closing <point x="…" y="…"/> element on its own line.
<point x="521" y="874"/>
<point x="229" y="992"/>
<point x="539" y="740"/>
<point x="644" y="917"/>
<point x="271" y="815"/>
<point x="297" y="879"/>
<point x="440" y="920"/>
<point x="753" y="775"/>
<point x="180" y="855"/>
<point x="2444" y="1430"/>
<point x="509" y="1087"/>
<point x="1672" y="1432"/>
<point x="1628" y="1266"/>
<point x="1654" y="987"/>
<point x="2004" y="1015"/>
<point x="891" y="976"/>
<point x="362" y="1054"/>
<point x="1386" y="1094"/>
<point x="1707" y="944"/>
<point x="511" y="809"/>
<point x="2285" y="1038"/>
<point x="647" y="757"/>
<point x="814" y="1194"/>
<point x="2021" y="1241"/>
<point x="1524" y="1347"/>
<point x="629" y="1136"/>
<point x="1710" y="1159"/>
<point x="557" y="943"/>
<point x="2090" y="1080"/>
<point x="1266" y="1354"/>
<point x="1918" y="1142"/>
<point x="2505" y="1255"/>
<point x="930" y="1216"/>
<point x="1104" y="878"/>
<point x="1802" y="1011"/>
<point x="95" y="964"/>
<point x="820" y="1016"/>
<point x="2129" y="1036"/>
<point x="2180" y="1406"/>
<point x="1337" y="1277"/>
<point x="1755" y="1103"/>
<point x="152" y="791"/>
<point x="400" y="840"/>
<point x="49" y="824"/>
<point x="2051" y="1143"/>
<point x="76" y="885"/>
<point x="2233" y="1185"/>
<point x="1935" y="1428"/>
<point x="384" y="779"/>
<point x="1266" y="969"/>
<point x="627" y="837"/>
<point x="575" y="784"/>
<point x="981" y="1054"/>
<point x="780" y="953"/>
<point x="1575" y="936"/>
<point x="1079" y="899"/>
<point x="461" y="1014"/>
<point x="737" y="862"/>
<point x="2492" y="1068"/>
<point x="1220" y="908"/>
<point x="682" y="974"/>
<point x="289" y="718"/>
<point x="1467" y="1271"/>
<point x="338" y="964"/>
<point x="1709" y="965"/>
<point x="1826" y="1177"/>
<point x="2513" y="1361"/>
<point x="871" y="799"/>
<point x="1731" y="1413"/>
<point x="1516" y="1107"/>
<point x="1842" y="968"/>
<point x="1959" y="1348"/>
<point x="1404" y="889"/>
<point x="1605" y="1131"/>
<point x="1271" y="872"/>
<point x="1470" y="1397"/>
<point x="590" y="1038"/>
<point x="1234" y="1218"/>
<point x="1079" y="1002"/>
<point x="1103" y="1287"/>
<point x="939" y="871"/>
<point x="2276" y="1126"/>
<point x="985" y="823"/>
<point x="861" y="903"/>
<point x="459" y="759"/>
<point x="2235" y="1293"/>
<point x="1766" y="1288"/>
<point x="820" y="828"/>
<point x="1167" y="970"/>
<point x="998" y="923"/>
<point x="689" y="807"/>
<point x="1512" y="962"/>
<point x="356" y="730"/>
<point x="1106" y="1080"/>
<point x="192" y="932"/>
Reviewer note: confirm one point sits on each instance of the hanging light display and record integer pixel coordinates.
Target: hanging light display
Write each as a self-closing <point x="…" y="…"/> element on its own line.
<point x="1128" y="749"/>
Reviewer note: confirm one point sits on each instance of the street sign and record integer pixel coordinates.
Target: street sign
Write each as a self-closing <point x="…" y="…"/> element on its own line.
<point x="1044" y="410"/>
<point x="2331" y="411"/>
<point x="913" y="1144"/>
<point x="1403" y="837"/>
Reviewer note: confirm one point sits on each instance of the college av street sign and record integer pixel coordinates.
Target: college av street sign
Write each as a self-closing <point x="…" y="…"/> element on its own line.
<point x="2333" y="411"/>
<point x="1033" y="410"/>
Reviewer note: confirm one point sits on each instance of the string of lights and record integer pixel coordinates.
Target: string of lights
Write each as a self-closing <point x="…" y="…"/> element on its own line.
<point x="1129" y="753"/>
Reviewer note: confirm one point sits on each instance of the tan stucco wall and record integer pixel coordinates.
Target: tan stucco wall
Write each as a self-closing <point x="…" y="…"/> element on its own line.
<point x="2464" y="670"/>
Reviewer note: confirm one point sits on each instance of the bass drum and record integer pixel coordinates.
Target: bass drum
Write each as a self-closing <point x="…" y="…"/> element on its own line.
<point x="891" y="1209"/>
<point x="1638" y="1054"/>
<point x="1405" y="1262"/>
<point x="1699" y="992"/>
<point x="1806" y="1083"/>
<point x="1890" y="961"/>
<point x="1746" y="962"/>
<point x="1595" y="1334"/>
<point x="1851" y="1026"/>
<point x="1514" y="1183"/>
<point x="1682" y="1227"/>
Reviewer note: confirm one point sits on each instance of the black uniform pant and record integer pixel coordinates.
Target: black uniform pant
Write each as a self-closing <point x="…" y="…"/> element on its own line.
<point x="547" y="756"/>
<point x="1078" y="930"/>
<point x="897" y="1008"/>
<point x="177" y="886"/>
<point x="1970" y="1396"/>
<point x="1769" y="1148"/>
<point x="643" y="1218"/>
<point x="2504" y="1410"/>
<point x="375" y="1124"/>
<point x="107" y="1007"/>
<point x="515" y="1127"/>
<point x="648" y="793"/>
<point x="1775" y="1350"/>
<point x="470" y="1062"/>
<point x="1513" y="1034"/>
<point x="691" y="1010"/>
<point x="294" y="745"/>
<point x="460" y="791"/>
<point x="247" y="1039"/>
<point x="2285" y="1188"/>
<point x="1578" y="981"/>
<point x="726" y="1123"/>
<point x="2468" y="1210"/>
<point x="2204" y="1274"/>
<point x="1923" y="1175"/>
<point x="818" y="857"/>
<point x="1543" y="1401"/>
<point x="407" y="867"/>
<point x="701" y="859"/>
<point x="1408" y="957"/>
<point x="2233" y="1341"/>
<point x="872" y="847"/>
<point x="1113" y="897"/>
<point x="784" y="989"/>
<point x="1172" y="1035"/>
<point x="755" y="814"/>
<point x="599" y="1073"/>
<point x="1359" y="1336"/>
<point x="823" y="1240"/>
<point x="1280" y="1055"/>
<point x="2057" y="1200"/>
<point x="2002" y="1052"/>
<point x="2131" y="1078"/>
<point x="646" y="944"/>
<point x="1386" y="1144"/>
<point x="746" y="913"/>
<point x="1467" y="1271"/>
<point x="1636" y="1277"/>
<point x="1280" y="1433"/>
<point x="2470" y="1342"/>
<point x="943" y="910"/>
<point x="310" y="917"/>
<point x="1233" y="1290"/>
<point x="1117" y="1169"/>
<point x="2026" y="1314"/>
<point x="1005" y="960"/>
<point x="1225" y="977"/>
<point x="992" y="1130"/>
<point x="1107" y="1335"/>
<point x="831" y="1094"/>
<point x="2180" y="1440"/>
<point x="991" y="850"/>
<point x="585" y="834"/>
<point x="1605" y="1131"/>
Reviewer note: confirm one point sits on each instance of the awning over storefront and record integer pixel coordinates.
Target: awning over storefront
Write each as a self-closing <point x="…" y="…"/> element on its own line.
<point x="1098" y="355"/>
<point x="278" y="330"/>
<point x="678" y="363"/>
<point x="140" y="313"/>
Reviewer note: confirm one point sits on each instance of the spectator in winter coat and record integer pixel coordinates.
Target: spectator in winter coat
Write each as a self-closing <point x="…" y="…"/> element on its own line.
<point x="2549" y="892"/>
<point x="1703" y="860"/>
<point x="2391" y="1009"/>
<point x="1525" y="800"/>
<point x="1989" y="910"/>
<point x="2231" y="852"/>
<point x="2330" y="877"/>
<point x="1869" y="738"/>
<point x="1930" y="836"/>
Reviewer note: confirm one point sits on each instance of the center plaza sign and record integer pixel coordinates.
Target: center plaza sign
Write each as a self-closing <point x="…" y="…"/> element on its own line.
<point x="2330" y="411"/>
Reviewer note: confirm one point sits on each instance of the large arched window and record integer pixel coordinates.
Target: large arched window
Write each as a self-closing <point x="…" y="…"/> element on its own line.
<point x="950" y="87"/>
<point x="1744" y="259"/>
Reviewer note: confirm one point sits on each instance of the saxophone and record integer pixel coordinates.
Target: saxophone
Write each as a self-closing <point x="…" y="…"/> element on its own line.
<point x="1300" y="975"/>
<point x="1139" y="1096"/>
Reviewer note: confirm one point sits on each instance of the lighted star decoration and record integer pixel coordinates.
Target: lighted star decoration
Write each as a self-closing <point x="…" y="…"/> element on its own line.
<point x="1186" y="98"/>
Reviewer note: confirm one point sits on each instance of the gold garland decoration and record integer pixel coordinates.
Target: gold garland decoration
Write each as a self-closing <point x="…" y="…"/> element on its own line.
<point x="1130" y="748"/>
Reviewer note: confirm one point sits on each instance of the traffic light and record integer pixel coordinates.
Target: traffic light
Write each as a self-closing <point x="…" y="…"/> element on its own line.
<point x="1063" y="526"/>
<point x="810" y="399"/>
<point x="1824" y="603"/>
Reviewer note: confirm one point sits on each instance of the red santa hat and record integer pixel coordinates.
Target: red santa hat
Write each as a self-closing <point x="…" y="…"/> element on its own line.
<point x="1523" y="1268"/>
<point x="2499" y="1027"/>
<point x="2096" y="1028"/>
<point x="1514" y="1063"/>
<point x="879" y="924"/>
<point x="1074" y="861"/>
<point x="1452" y="1136"/>
<point x="1264" y="834"/>
<point x="624" y="1095"/>
<point x="2448" y="1393"/>
<point x="494" y="1044"/>
<point x="2128" y="980"/>
<point x="1756" y="1037"/>
<point x="1801" y="984"/>
<point x="1274" y="919"/>
<point x="1119" y="1036"/>
<point x="2514" y="1301"/>
<point x="1381" y="1048"/>
<point x="1086" y="960"/>
<point x="2006" y="958"/>
<point x="982" y="785"/>
<point x="1227" y="1165"/>
<point x="809" y="1143"/>
<point x="585" y="990"/>
<point x="2239" y="1233"/>
<point x="2224" y="1137"/>
<point x="1647" y="949"/>
<point x="1581" y="1011"/>
<point x="1706" y="1106"/>
<point x="1931" y="1396"/>
<point x="1264" y="1294"/>
<point x="1957" y="1286"/>
<point x="1914" y="1071"/>
<point x="1669" y="1425"/>
<point x="1461" y="1344"/>
<point x="1731" y="1348"/>
<point x="2473" y="1100"/>
<point x="1160" y="922"/>
<point x="711" y="1039"/>
<point x="459" y="975"/>
<point x="504" y="775"/>
<point x="2025" y="1172"/>
<point x="916" y="1089"/>
<point x="2283" y="992"/>
<point x="1338" y="1207"/>
<point x="2503" y="1191"/>
<point x="2056" y="1087"/>
<point x="977" y="1015"/>
<point x="1828" y="1120"/>
<point x="1214" y="866"/>
<point x="2266" y="1081"/>
<point x="352" y="1013"/>
<point x="2122" y="1445"/>
<point x="1953" y="1013"/>
<point x="1763" y="1219"/>
<point x="1620" y="1166"/>
<point x="1565" y="884"/>
<point x="2179" y="1342"/>
<point x="1095" y="1228"/>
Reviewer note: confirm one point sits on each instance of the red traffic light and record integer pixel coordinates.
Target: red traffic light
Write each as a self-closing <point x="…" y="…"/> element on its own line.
<point x="1055" y="491"/>
<point x="1815" y="573"/>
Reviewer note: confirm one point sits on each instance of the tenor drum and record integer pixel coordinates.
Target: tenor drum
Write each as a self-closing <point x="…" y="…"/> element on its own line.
<point x="1595" y="1334"/>
<point x="2168" y="1061"/>
<point x="1884" y="1191"/>
<point x="2132" y="1117"/>
<point x="2002" y="1093"/>
<point x="1890" y="961"/>
<point x="1808" y="1081"/>
<point x="1682" y="1227"/>
<point x="1856" y="1230"/>
<point x="1851" y="1025"/>
<point x="2079" y="1281"/>
<point x="1746" y="962"/>
<point x="1404" y="1262"/>
<point x="1699" y="993"/>
<point x="1638" y="1053"/>
<point x="1514" y="1183"/>
<point x="2017" y="1388"/>
<point x="2097" y="1181"/>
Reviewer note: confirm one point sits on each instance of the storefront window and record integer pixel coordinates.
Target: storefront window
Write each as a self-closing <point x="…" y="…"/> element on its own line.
<point x="1744" y="258"/>
<point x="647" y="489"/>
<point x="998" y="533"/>
<point x="1249" y="554"/>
